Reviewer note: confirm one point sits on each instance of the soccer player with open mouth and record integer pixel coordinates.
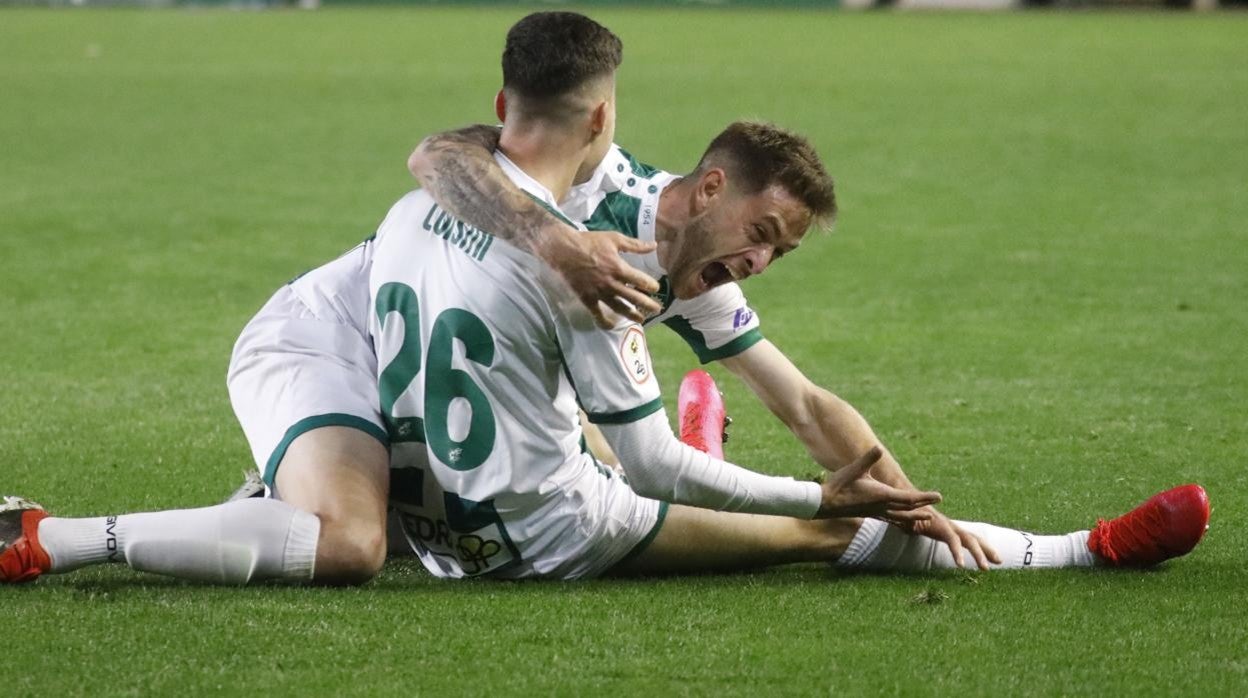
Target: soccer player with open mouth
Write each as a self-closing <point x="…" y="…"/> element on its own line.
<point x="479" y="355"/>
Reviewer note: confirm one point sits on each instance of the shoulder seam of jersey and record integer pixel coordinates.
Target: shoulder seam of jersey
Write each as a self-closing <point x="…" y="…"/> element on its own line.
<point x="567" y="373"/>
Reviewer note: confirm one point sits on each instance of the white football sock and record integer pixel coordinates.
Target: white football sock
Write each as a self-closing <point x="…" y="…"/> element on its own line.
<point x="879" y="546"/>
<point x="233" y="543"/>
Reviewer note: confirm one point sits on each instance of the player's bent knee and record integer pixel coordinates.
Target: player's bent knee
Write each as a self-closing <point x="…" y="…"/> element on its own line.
<point x="340" y="475"/>
<point x="349" y="555"/>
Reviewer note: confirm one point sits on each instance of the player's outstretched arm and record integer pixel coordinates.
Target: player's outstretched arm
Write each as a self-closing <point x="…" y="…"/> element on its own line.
<point x="458" y="169"/>
<point x="834" y="432"/>
<point x="660" y="467"/>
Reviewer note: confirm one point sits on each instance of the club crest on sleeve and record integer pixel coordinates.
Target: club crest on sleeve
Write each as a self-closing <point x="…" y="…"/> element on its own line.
<point x="635" y="355"/>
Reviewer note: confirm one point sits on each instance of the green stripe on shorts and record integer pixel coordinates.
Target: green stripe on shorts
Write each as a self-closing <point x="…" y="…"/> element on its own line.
<point x="645" y="542"/>
<point x="303" y="426"/>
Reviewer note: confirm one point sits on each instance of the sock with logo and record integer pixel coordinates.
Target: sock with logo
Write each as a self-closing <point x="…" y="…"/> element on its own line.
<point x="881" y="547"/>
<point x="233" y="543"/>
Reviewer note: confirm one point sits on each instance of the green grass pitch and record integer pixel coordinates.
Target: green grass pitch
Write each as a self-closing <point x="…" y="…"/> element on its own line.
<point x="1037" y="293"/>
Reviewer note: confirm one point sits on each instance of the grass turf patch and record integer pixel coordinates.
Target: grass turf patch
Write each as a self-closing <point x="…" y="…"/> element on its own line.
<point x="1036" y="294"/>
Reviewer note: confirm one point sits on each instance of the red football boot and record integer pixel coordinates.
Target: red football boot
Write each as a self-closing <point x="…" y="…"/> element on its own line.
<point x="22" y="558"/>
<point x="1168" y="525"/>
<point x="703" y="419"/>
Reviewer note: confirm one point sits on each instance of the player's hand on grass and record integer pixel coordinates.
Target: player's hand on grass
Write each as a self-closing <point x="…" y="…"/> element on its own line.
<point x="941" y="528"/>
<point x="852" y="491"/>
<point x="590" y="263"/>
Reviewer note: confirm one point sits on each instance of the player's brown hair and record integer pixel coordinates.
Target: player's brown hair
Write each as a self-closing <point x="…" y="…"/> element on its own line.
<point x="757" y="155"/>
<point x="550" y="54"/>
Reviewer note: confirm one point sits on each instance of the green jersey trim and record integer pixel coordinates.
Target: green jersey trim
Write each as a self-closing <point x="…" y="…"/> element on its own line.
<point x="627" y="415"/>
<point x="617" y="211"/>
<point x="664" y="296"/>
<point x="551" y="209"/>
<point x="736" y="346"/>
<point x="639" y="168"/>
<point x="645" y="542"/>
<point x="697" y="341"/>
<point x="303" y="426"/>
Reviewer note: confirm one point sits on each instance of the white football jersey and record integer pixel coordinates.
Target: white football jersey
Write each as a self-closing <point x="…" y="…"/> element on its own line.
<point x="623" y="195"/>
<point x="483" y="357"/>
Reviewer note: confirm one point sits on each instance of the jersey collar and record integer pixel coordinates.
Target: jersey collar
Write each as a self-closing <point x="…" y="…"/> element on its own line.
<point x="647" y="219"/>
<point x="531" y="186"/>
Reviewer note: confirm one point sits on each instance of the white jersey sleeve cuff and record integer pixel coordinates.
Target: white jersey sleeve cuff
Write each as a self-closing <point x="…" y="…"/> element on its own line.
<point x="661" y="467"/>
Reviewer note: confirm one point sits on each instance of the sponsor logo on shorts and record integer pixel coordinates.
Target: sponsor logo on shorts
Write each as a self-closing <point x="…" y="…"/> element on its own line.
<point x="635" y="356"/>
<point x="476" y="552"/>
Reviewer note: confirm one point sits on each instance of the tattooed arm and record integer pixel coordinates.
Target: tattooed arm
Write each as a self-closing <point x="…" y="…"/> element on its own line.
<point x="459" y="171"/>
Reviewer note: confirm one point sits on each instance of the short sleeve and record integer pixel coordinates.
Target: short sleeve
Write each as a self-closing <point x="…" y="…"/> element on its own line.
<point x="610" y="370"/>
<point x="716" y="325"/>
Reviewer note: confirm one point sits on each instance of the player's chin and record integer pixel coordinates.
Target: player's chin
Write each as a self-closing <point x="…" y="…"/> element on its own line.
<point x="686" y="286"/>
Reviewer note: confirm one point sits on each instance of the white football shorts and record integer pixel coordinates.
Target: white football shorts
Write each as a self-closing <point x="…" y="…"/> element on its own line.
<point x="587" y="526"/>
<point x="305" y="361"/>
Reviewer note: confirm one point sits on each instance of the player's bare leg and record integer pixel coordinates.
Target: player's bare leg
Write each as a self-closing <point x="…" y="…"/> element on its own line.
<point x="341" y="475"/>
<point x="695" y="540"/>
<point x="396" y="543"/>
<point x="1166" y="526"/>
<point x="331" y="529"/>
<point x="699" y="540"/>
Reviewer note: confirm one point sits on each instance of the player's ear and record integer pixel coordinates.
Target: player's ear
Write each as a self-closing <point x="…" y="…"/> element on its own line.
<point x="598" y="118"/>
<point x="500" y="106"/>
<point x="710" y="185"/>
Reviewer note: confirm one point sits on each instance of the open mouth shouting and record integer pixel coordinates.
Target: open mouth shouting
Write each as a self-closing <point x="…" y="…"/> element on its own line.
<point x="717" y="273"/>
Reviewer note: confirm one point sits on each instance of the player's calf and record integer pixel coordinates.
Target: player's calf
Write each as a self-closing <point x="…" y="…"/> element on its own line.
<point x="694" y="540"/>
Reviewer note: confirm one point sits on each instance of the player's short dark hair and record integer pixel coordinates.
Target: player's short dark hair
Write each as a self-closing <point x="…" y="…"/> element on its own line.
<point x="757" y="155"/>
<point x="551" y="54"/>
